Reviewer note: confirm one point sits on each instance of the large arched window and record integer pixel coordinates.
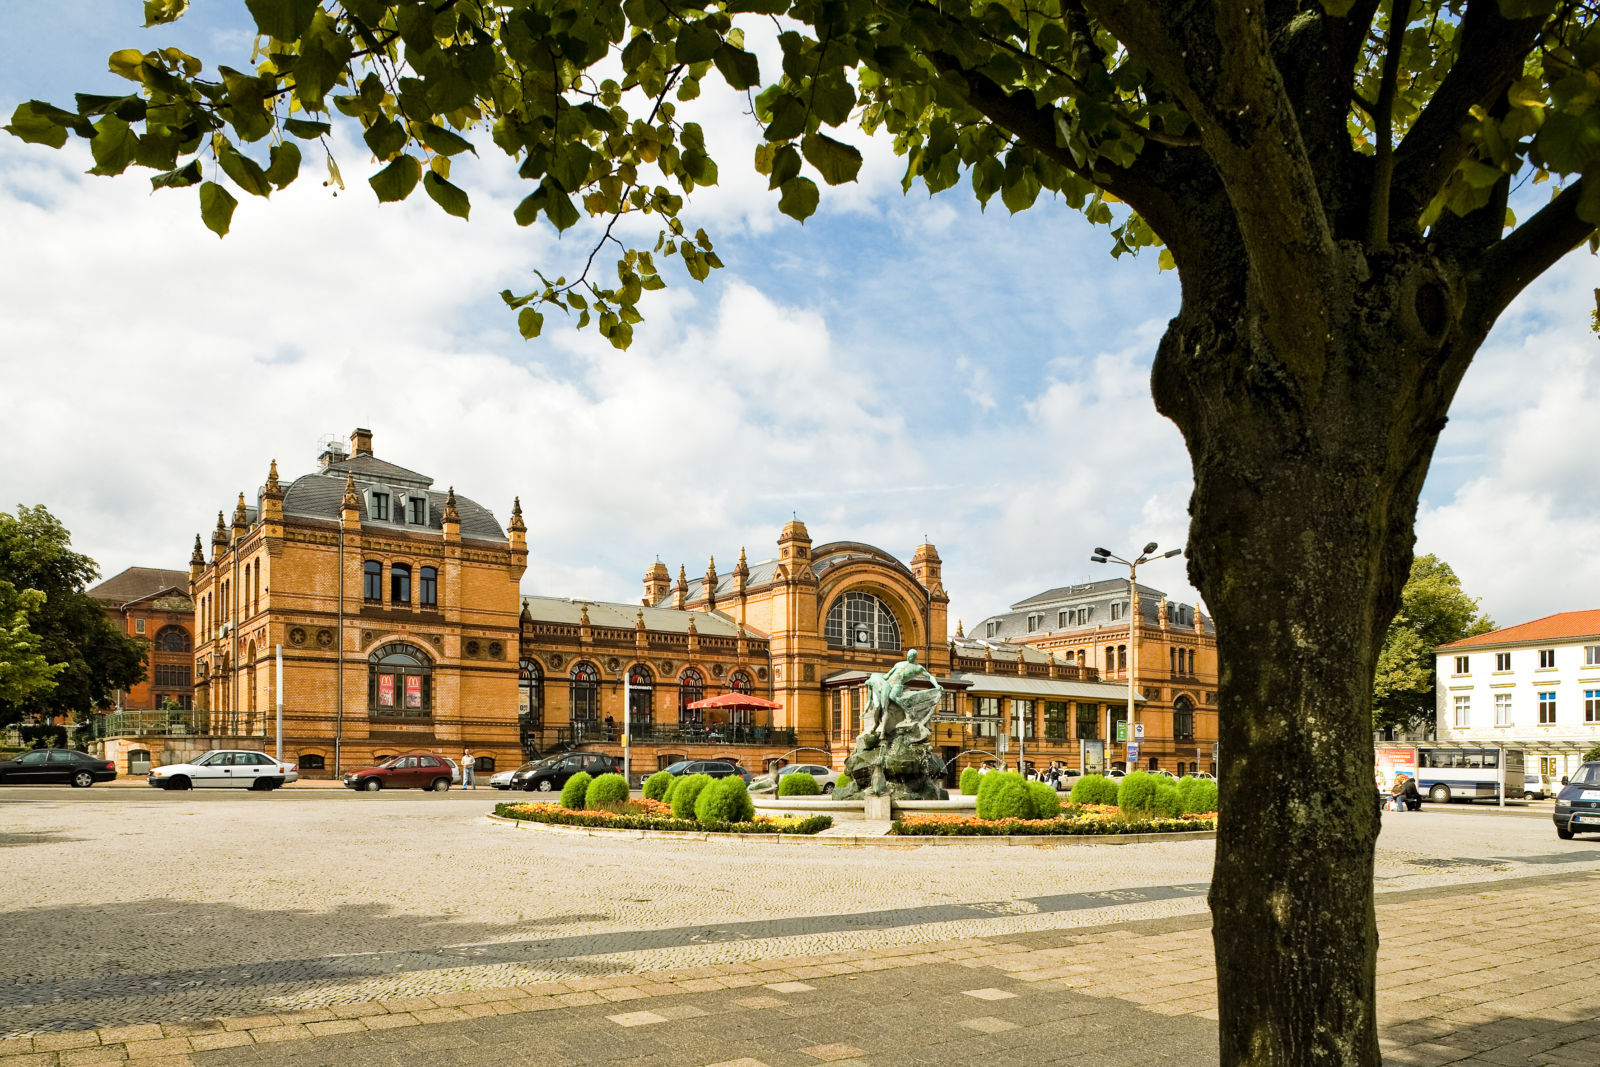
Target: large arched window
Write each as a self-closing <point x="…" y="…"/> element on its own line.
<point x="1183" y="719"/>
<point x="691" y="690"/>
<point x="641" y="693"/>
<point x="173" y="639"/>
<point x="585" y="693"/>
<point x="861" y="620"/>
<point x="400" y="681"/>
<point x="372" y="581"/>
<point x="739" y="682"/>
<point x="530" y="701"/>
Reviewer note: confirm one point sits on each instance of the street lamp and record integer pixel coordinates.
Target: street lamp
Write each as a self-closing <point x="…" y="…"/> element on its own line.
<point x="1105" y="555"/>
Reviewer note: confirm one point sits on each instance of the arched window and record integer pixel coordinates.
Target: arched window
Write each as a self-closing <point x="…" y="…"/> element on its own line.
<point x="256" y="593"/>
<point x="372" y="581"/>
<point x="482" y="764"/>
<point x="1183" y="719"/>
<point x="400" y="681"/>
<point x="1122" y="657"/>
<point x="739" y="682"/>
<point x="530" y="700"/>
<point x="400" y="584"/>
<point x="585" y="693"/>
<point x="861" y="620"/>
<point x="173" y="639"/>
<point x="691" y="690"/>
<point x="641" y="693"/>
<point x="1155" y="764"/>
<point x="428" y="588"/>
<point x="311" y="761"/>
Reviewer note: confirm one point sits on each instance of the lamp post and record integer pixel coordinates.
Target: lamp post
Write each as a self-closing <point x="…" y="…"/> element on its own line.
<point x="1104" y="555"/>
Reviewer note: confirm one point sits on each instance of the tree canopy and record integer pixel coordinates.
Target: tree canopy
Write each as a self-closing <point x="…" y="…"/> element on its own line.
<point x="1433" y="611"/>
<point x="84" y="657"/>
<point x="24" y="672"/>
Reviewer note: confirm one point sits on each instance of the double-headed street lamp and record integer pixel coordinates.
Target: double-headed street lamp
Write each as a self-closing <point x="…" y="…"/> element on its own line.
<point x="1105" y="555"/>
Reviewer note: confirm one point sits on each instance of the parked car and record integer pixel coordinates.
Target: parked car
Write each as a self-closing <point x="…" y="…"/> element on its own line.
<point x="225" y="768"/>
<point x="77" y="769"/>
<point x="549" y="775"/>
<point x="716" y="768"/>
<point x="768" y="783"/>
<point x="1578" y="803"/>
<point x="408" y="770"/>
<point x="1536" y="788"/>
<point x="502" y="779"/>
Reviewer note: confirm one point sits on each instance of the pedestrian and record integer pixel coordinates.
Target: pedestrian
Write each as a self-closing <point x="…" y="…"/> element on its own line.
<point x="1397" y="792"/>
<point x="468" y="780"/>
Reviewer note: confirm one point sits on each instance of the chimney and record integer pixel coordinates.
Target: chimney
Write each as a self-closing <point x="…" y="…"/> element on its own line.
<point x="360" y="442"/>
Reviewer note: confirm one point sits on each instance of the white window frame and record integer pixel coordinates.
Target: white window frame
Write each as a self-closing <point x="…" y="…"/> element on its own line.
<point x="1502" y="709"/>
<point x="1547" y="659"/>
<point x="1591" y="706"/>
<point x="1591" y="655"/>
<point x="1502" y="661"/>
<point x="1547" y="700"/>
<point x="1463" y="711"/>
<point x="1463" y="665"/>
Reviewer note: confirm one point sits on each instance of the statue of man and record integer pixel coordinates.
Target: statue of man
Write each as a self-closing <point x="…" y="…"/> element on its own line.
<point x="887" y="693"/>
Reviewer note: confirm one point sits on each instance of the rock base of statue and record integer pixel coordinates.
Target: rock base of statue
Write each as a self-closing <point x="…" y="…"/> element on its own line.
<point x="905" y="769"/>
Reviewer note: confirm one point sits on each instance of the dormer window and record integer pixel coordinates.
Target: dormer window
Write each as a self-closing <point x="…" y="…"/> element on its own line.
<point x="378" y="506"/>
<point x="419" y="510"/>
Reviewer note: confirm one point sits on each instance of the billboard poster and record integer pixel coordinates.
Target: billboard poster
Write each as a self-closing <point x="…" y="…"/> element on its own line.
<point x="1391" y="760"/>
<point x="1094" y="757"/>
<point x="385" y="690"/>
<point x="413" y="691"/>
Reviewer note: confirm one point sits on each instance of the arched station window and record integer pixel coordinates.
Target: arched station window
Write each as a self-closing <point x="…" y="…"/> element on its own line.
<point x="1183" y="719"/>
<point x="173" y="639"/>
<point x="861" y="620"/>
<point x="585" y="693"/>
<point x="641" y="693"/>
<point x="739" y="682"/>
<point x="691" y="690"/>
<point x="530" y="701"/>
<point x="400" y="681"/>
<point x="372" y="581"/>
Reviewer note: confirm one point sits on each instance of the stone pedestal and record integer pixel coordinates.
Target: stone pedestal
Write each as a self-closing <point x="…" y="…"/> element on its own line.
<point x="879" y="809"/>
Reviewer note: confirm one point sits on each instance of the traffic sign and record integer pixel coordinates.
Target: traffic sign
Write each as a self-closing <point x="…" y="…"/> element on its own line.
<point x="1122" y="730"/>
<point x="1133" y="754"/>
<point x="1138" y="731"/>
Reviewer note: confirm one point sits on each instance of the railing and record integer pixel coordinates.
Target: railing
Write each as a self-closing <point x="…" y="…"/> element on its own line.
<point x="151" y="723"/>
<point x="676" y="734"/>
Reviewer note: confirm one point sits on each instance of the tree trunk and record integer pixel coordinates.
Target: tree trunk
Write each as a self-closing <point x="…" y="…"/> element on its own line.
<point x="1306" y="489"/>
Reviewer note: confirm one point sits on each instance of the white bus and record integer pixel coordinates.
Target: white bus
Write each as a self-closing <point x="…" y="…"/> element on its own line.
<point x="1446" y="773"/>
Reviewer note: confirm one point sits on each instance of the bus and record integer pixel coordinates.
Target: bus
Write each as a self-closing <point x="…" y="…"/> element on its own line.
<point x="1452" y="772"/>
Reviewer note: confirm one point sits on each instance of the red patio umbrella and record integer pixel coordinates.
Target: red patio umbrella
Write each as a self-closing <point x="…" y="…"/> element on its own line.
<point x="734" y="700"/>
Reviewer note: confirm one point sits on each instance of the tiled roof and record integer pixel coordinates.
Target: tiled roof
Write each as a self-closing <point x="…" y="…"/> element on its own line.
<point x="319" y="496"/>
<point x="1563" y="626"/>
<point x="617" y="616"/>
<point x="135" y="583"/>
<point x="1064" y="593"/>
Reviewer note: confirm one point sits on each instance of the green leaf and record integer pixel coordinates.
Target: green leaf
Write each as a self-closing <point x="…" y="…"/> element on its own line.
<point x="385" y="137"/>
<point x="323" y="53"/>
<point x="529" y="323"/>
<point x="697" y="41"/>
<point x="443" y="141"/>
<point x="788" y="118"/>
<point x="785" y="165"/>
<point x="176" y="179"/>
<point x="396" y="181"/>
<point x="284" y="19"/>
<point x="739" y="68"/>
<point x="1165" y="261"/>
<point x="1567" y="143"/>
<point x="570" y="168"/>
<point x="799" y="198"/>
<point x="216" y="208"/>
<point x="40" y="123"/>
<point x="558" y="207"/>
<point x="245" y="172"/>
<point x="127" y="63"/>
<point x="450" y="197"/>
<point x="1589" y="197"/>
<point x="306" y="128"/>
<point x="1021" y="189"/>
<point x="987" y="175"/>
<point x="159" y="11"/>
<point x="113" y="146"/>
<point x="836" y="161"/>
<point x="283" y="164"/>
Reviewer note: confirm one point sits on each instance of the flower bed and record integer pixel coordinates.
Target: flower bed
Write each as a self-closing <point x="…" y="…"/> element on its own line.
<point x="654" y="815"/>
<point x="1081" y="820"/>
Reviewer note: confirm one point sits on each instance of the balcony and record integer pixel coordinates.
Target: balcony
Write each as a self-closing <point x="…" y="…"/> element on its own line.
<point x="677" y="734"/>
<point x="150" y="723"/>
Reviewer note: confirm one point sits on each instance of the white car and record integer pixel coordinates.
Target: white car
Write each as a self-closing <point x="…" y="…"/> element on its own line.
<point x="225" y="769"/>
<point x="501" y="779"/>
<point x="826" y="779"/>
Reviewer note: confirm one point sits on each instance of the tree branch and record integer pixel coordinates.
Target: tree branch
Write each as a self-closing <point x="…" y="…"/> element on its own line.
<point x="1493" y="50"/>
<point x="1527" y="252"/>
<point x="1383" y="121"/>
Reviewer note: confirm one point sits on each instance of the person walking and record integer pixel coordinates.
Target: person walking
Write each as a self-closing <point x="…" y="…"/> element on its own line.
<point x="468" y="779"/>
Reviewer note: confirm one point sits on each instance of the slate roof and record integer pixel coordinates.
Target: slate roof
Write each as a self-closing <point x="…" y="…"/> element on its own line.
<point x="1099" y="596"/>
<point x="1563" y="626"/>
<point x="369" y="468"/>
<point x="1074" y="593"/>
<point x="613" y="615"/>
<point x="136" y="583"/>
<point x="320" y="495"/>
<point x="823" y="559"/>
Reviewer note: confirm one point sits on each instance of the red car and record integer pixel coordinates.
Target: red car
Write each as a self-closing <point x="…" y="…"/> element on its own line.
<point x="409" y="770"/>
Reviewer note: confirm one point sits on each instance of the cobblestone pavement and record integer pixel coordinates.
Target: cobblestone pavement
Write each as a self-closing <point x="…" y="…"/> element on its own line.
<point x="180" y="917"/>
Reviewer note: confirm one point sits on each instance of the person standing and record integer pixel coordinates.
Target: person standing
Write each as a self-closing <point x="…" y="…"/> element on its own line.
<point x="468" y="780"/>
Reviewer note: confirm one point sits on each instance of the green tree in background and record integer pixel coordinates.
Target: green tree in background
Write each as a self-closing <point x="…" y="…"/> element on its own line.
<point x="86" y="656"/>
<point x="1331" y="180"/>
<point x="1433" y="611"/>
<point x="24" y="672"/>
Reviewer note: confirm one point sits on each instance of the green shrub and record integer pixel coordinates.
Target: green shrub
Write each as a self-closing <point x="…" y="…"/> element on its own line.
<point x="986" y="784"/>
<point x="1006" y="797"/>
<point x="1199" y="795"/>
<point x="1094" y="789"/>
<point x="685" y="791"/>
<point x="655" y="786"/>
<point x="606" y="789"/>
<point x="1168" y="803"/>
<point x="1046" y="802"/>
<point x="576" y="791"/>
<point x="724" y="800"/>
<point x="641" y="820"/>
<point x="798" y="784"/>
<point x="970" y="779"/>
<point x="1137" y="793"/>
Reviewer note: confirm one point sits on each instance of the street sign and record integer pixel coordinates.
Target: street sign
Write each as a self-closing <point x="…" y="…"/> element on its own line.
<point x="1133" y="754"/>
<point x="1122" y="730"/>
<point x="1138" y="731"/>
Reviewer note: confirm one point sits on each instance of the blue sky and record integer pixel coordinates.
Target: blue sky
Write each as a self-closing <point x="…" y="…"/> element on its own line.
<point x="893" y="368"/>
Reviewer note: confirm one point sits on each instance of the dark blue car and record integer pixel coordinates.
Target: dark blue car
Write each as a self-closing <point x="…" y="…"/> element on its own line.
<point x="1578" y="803"/>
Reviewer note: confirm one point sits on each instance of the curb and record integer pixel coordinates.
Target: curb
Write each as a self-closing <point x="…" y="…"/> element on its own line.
<point x="910" y="841"/>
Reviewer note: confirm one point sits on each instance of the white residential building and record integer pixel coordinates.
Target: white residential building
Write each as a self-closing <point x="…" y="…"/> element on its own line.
<point x="1534" y="686"/>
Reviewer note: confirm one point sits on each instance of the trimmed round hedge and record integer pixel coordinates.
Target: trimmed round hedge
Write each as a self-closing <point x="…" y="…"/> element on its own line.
<point x="1046" y="801"/>
<point x="970" y="778"/>
<point x="576" y="791"/>
<point x="1198" y="795"/>
<point x="606" y="789"/>
<point x="1094" y="789"/>
<point x="1150" y="794"/>
<point x="725" y="800"/>
<point x="656" y="786"/>
<point x="798" y="784"/>
<point x="1004" y="795"/>
<point x="686" y="792"/>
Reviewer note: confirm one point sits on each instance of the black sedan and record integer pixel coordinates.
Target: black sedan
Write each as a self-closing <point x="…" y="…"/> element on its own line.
<point x="78" y="769"/>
